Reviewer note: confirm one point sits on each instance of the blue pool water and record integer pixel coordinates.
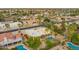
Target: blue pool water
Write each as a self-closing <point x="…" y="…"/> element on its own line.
<point x="65" y="36"/>
<point x="50" y="37"/>
<point x="72" y="46"/>
<point x="20" y="47"/>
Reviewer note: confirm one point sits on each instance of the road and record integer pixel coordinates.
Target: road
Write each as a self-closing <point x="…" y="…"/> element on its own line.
<point x="19" y="29"/>
<point x="32" y="27"/>
<point x="72" y="20"/>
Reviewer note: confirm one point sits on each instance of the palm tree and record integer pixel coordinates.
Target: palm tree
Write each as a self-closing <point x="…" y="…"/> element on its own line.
<point x="63" y="25"/>
<point x="40" y="18"/>
<point x="7" y="26"/>
<point x="33" y="42"/>
<point x="1" y="17"/>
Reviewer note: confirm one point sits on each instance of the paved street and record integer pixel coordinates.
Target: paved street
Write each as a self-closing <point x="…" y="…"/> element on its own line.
<point x="19" y="29"/>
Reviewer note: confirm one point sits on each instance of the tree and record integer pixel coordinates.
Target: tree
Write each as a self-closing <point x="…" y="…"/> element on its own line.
<point x="75" y="38"/>
<point x="49" y="44"/>
<point x="46" y="19"/>
<point x="71" y="29"/>
<point x="33" y="42"/>
<point x="20" y="25"/>
<point x="18" y="19"/>
<point x="39" y="17"/>
<point x="57" y="30"/>
<point x="1" y="17"/>
<point x="63" y="25"/>
<point x="7" y="26"/>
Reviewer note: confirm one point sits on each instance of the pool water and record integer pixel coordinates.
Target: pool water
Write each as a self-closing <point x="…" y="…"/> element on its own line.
<point x="20" y="47"/>
<point x="49" y="37"/>
<point x="72" y="46"/>
<point x="65" y="36"/>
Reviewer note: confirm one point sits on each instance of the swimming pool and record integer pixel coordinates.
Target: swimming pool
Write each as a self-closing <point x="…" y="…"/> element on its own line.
<point x="20" y="47"/>
<point x="72" y="46"/>
<point x="50" y="37"/>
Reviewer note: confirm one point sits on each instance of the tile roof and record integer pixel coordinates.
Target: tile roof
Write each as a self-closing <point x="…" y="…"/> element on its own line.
<point x="9" y="35"/>
<point x="1" y="37"/>
<point x="18" y="35"/>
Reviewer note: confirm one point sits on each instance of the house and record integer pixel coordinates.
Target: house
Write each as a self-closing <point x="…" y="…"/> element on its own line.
<point x="31" y="22"/>
<point x="2" y="27"/>
<point x="14" y="25"/>
<point x="7" y="39"/>
<point x="1" y="37"/>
